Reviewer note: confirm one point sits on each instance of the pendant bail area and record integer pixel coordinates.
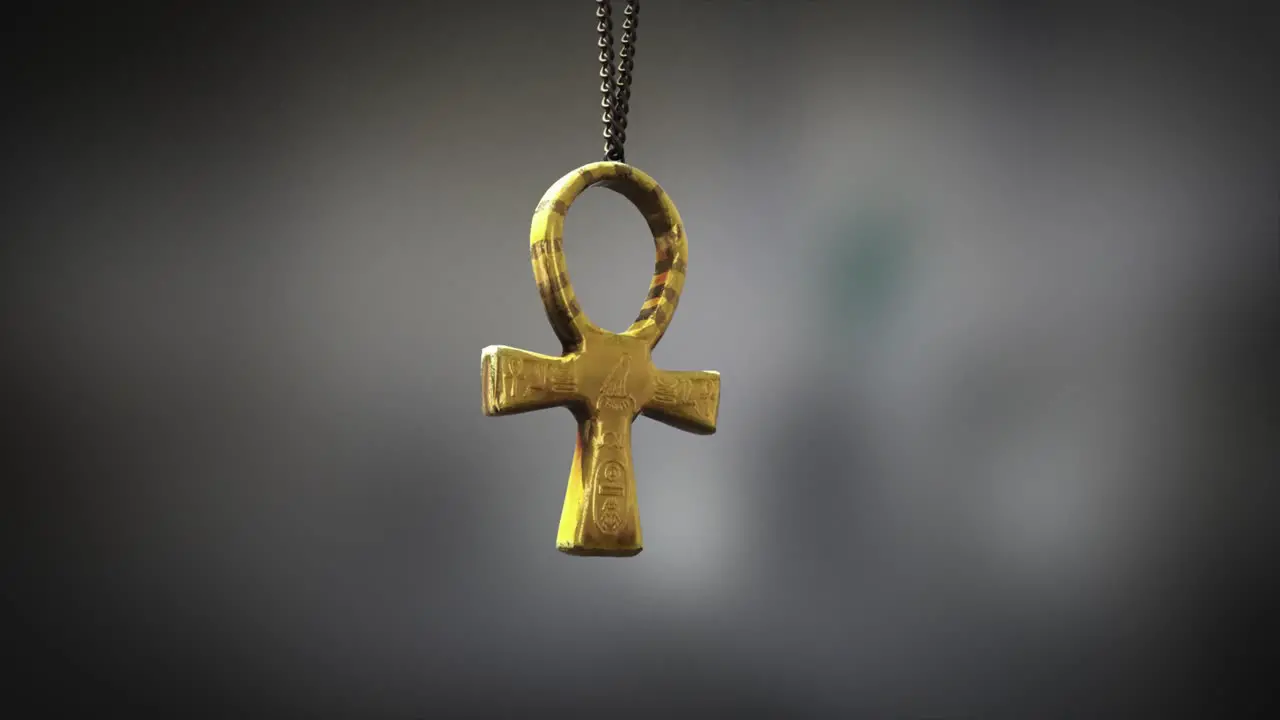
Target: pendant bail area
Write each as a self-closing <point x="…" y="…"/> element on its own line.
<point x="550" y="270"/>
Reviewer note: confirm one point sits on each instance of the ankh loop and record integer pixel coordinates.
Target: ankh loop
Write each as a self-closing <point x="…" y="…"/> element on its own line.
<point x="605" y="379"/>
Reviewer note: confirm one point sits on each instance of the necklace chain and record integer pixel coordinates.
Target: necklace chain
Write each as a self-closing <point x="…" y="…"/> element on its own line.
<point x="615" y="86"/>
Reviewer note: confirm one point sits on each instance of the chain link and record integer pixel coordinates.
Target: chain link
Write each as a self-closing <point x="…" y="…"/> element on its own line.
<point x="615" y="89"/>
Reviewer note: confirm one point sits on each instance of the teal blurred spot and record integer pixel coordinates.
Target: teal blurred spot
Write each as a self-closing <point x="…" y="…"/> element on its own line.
<point x="862" y="264"/>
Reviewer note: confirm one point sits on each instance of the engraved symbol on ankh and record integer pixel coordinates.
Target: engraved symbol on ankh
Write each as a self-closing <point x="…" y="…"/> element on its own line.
<point x="605" y="379"/>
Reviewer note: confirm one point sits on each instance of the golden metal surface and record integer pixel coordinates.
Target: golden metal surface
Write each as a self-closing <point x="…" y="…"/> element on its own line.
<point x="605" y="379"/>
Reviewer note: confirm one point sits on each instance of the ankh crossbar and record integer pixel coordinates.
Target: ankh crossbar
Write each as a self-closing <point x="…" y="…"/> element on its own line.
<point x="605" y="379"/>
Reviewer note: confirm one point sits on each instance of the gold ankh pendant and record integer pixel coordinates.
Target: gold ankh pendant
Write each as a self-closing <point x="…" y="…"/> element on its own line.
<point x="605" y="379"/>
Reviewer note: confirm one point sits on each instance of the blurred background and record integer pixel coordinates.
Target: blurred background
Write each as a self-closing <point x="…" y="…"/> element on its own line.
<point x="991" y="287"/>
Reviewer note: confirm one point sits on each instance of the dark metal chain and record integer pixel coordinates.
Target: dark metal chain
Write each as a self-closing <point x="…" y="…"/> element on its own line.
<point x="615" y="89"/>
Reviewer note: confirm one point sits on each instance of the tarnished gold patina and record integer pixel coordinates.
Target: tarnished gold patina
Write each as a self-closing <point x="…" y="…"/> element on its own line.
<point x="605" y="379"/>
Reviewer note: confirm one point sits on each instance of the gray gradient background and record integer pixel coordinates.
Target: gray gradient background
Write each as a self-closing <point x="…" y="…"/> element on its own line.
<point x="992" y="291"/>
